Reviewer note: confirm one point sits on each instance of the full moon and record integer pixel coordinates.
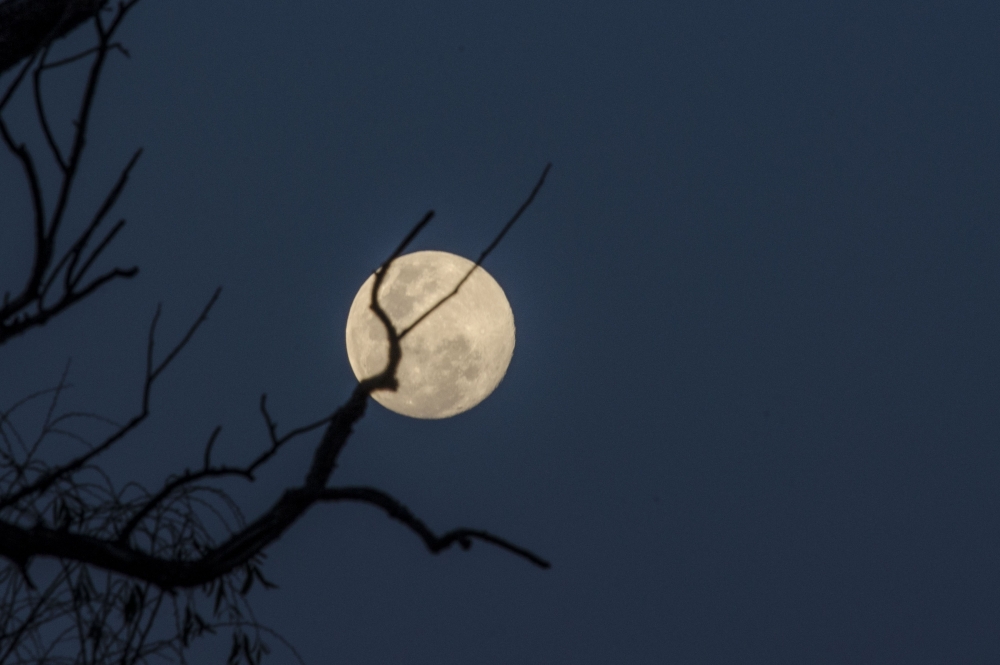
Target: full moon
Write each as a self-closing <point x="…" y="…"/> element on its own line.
<point x="454" y="358"/>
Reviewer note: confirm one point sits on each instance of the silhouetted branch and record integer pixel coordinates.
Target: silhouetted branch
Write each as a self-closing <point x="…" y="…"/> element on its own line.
<point x="20" y="151"/>
<point x="273" y="426"/>
<point x="396" y="510"/>
<point x="482" y="257"/>
<point x="152" y="373"/>
<point x="81" y="123"/>
<point x="49" y="415"/>
<point x="28" y="309"/>
<point x="72" y="255"/>
<point x="386" y="379"/>
<point x="40" y="110"/>
<point x="16" y="83"/>
<point x="517" y="215"/>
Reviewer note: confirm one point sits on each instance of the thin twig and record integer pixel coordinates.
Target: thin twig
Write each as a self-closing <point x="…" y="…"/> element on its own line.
<point x="486" y="252"/>
<point x="187" y="336"/>
<point x="17" y="81"/>
<point x="40" y="111"/>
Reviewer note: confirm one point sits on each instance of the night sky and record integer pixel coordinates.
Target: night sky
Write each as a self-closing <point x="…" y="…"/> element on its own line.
<point x="752" y="414"/>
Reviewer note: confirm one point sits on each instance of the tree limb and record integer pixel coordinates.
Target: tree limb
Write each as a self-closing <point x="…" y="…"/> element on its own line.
<point x="396" y="510"/>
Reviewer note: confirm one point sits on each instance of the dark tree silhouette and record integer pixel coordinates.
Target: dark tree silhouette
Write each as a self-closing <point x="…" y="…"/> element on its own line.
<point x="27" y="25"/>
<point x="117" y="559"/>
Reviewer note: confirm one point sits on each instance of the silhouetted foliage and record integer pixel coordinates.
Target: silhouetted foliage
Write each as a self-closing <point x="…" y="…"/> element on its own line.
<point x="94" y="573"/>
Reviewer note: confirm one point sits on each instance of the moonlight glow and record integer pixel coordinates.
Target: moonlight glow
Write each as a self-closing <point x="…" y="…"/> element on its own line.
<point x="456" y="356"/>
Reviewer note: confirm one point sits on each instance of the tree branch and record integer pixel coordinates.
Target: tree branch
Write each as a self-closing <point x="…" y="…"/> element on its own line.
<point x="49" y="19"/>
<point x="486" y="252"/>
<point x="40" y="111"/>
<point x="396" y="510"/>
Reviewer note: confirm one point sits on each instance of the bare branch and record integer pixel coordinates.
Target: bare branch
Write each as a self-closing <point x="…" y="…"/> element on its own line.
<point x="386" y="379"/>
<point x="209" y="471"/>
<point x="81" y="124"/>
<point x="17" y="81"/>
<point x="407" y="240"/>
<point x="187" y="337"/>
<point x="272" y="429"/>
<point x="396" y="510"/>
<point x="72" y="254"/>
<point x="106" y="205"/>
<point x="40" y="110"/>
<point x="43" y="315"/>
<point x="486" y="252"/>
<point x="73" y="280"/>
<point x="517" y="215"/>
<point x="42" y="245"/>
<point x="16" y="315"/>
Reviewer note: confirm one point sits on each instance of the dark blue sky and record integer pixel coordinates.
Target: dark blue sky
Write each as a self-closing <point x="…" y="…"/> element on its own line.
<point x="752" y="415"/>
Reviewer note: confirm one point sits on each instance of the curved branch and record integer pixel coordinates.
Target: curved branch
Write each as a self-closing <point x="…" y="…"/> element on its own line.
<point x="482" y="257"/>
<point x="40" y="111"/>
<point x="396" y="510"/>
<point x="43" y="249"/>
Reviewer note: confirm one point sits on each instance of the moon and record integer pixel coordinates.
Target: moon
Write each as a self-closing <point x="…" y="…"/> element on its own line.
<point x="454" y="358"/>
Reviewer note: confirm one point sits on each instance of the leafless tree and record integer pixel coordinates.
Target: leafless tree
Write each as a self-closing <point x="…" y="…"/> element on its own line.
<point x="91" y="572"/>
